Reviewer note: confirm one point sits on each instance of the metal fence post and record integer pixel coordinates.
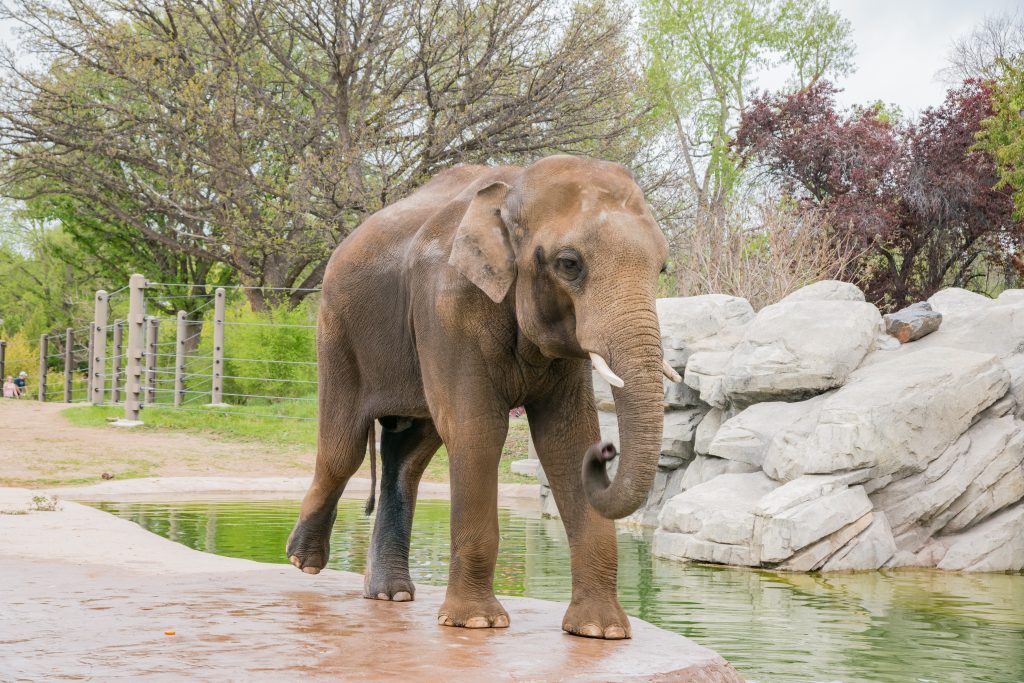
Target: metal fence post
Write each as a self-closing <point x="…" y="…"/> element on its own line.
<point x="3" y="360"/>
<point x="43" y="344"/>
<point x="69" y="356"/>
<point x="115" y="363"/>
<point x="179" y="358"/>
<point x="98" y="355"/>
<point x="217" y="386"/>
<point x="136" y="337"/>
<point x="152" y="349"/>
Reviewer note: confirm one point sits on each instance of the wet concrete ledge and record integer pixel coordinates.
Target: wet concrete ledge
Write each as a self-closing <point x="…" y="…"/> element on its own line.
<point x="90" y="595"/>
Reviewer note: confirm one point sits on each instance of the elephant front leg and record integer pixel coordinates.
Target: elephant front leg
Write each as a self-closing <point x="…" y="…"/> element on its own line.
<point x="473" y="466"/>
<point x="563" y="425"/>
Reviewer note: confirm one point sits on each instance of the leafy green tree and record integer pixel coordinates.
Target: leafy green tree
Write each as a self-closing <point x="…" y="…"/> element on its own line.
<point x="259" y="134"/>
<point x="1003" y="134"/>
<point x="703" y="57"/>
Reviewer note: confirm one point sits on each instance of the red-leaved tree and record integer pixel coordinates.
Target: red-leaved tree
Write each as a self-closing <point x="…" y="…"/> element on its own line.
<point x="917" y="198"/>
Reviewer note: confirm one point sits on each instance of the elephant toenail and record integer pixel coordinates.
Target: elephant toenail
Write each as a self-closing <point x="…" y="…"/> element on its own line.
<point x="615" y="633"/>
<point x="311" y="570"/>
<point x="382" y="596"/>
<point x="294" y="559"/>
<point x="591" y="631"/>
<point x="443" y="620"/>
<point x="477" y="622"/>
<point x="501" y="621"/>
<point x="402" y="596"/>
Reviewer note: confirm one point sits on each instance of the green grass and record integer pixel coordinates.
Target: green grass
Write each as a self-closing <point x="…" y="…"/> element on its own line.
<point x="251" y="424"/>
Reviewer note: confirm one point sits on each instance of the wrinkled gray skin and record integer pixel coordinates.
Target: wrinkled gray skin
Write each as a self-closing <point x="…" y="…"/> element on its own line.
<point x="484" y="290"/>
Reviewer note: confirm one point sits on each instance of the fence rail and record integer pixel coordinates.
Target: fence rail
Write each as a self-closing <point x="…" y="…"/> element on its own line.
<point x="131" y="356"/>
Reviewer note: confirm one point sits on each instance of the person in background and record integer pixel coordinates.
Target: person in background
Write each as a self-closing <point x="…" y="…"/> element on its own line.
<point x="21" y="382"/>
<point x="10" y="389"/>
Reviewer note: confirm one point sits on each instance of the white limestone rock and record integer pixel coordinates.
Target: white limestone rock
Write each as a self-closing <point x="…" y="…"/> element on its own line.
<point x="796" y="349"/>
<point x="678" y="434"/>
<point x="706" y="430"/>
<point x="746" y="436"/>
<point x="827" y="290"/>
<point x="720" y="510"/>
<point x="779" y="533"/>
<point x="871" y="549"/>
<point x="687" y="547"/>
<point x="698" y="323"/>
<point x="895" y="417"/>
<point x="995" y="545"/>
<point x="704" y="468"/>
<point x="815" y="555"/>
<point x="954" y="300"/>
<point x="704" y="372"/>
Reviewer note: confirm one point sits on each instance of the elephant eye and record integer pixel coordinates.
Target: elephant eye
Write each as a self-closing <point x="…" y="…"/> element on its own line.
<point x="568" y="266"/>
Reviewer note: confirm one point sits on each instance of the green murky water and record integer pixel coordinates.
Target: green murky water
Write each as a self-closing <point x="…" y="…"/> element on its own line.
<point x="902" y="626"/>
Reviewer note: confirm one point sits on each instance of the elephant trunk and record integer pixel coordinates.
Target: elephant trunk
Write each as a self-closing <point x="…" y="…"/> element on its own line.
<point x="635" y="355"/>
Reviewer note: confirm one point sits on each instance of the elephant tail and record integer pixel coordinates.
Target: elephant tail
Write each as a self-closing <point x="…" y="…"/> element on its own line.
<point x="371" y="439"/>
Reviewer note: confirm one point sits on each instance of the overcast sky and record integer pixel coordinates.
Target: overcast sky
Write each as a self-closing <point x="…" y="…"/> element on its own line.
<point x="901" y="44"/>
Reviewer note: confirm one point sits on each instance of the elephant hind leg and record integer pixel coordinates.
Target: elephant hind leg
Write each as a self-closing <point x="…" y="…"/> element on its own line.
<point x="407" y="445"/>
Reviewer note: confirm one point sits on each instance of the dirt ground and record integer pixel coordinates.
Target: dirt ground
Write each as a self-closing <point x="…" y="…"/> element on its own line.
<point x="40" y="448"/>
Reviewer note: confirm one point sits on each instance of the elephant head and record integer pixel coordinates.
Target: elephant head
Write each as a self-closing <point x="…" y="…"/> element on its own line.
<point x="578" y="242"/>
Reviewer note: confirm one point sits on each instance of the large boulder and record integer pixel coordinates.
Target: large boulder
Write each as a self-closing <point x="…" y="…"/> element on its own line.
<point x="892" y="418"/>
<point x="803" y="511"/>
<point x="796" y="349"/>
<point x="704" y="468"/>
<point x="995" y="545"/>
<point x="700" y="323"/>
<point x="953" y="301"/>
<point x="826" y="290"/>
<point x="746" y="436"/>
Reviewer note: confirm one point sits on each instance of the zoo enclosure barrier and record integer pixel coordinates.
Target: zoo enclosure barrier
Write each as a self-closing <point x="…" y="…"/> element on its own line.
<point x="125" y="355"/>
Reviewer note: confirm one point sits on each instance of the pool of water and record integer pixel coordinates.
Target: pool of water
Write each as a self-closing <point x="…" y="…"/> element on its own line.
<point x="876" y="627"/>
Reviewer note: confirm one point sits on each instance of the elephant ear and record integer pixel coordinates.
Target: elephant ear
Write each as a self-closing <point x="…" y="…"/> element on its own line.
<point x="482" y="250"/>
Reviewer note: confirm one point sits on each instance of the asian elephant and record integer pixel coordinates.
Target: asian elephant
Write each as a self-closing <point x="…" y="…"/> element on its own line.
<point x="486" y="289"/>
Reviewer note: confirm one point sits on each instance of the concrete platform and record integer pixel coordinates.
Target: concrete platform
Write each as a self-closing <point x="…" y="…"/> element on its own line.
<point x="89" y="595"/>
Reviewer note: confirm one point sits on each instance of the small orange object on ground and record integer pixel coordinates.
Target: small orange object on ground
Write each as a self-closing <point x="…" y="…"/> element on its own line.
<point x="169" y="633"/>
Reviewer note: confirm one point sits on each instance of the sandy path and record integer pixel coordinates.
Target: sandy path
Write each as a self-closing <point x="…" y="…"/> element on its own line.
<point x="39" y="447"/>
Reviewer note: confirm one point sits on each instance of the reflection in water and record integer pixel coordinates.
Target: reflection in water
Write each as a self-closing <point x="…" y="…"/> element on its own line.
<point x="870" y="627"/>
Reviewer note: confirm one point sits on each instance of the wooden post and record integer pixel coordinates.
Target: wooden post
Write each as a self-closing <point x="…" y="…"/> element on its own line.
<point x="152" y="349"/>
<point x="98" y="353"/>
<point x="179" y="359"/>
<point x="69" y="357"/>
<point x="136" y="337"/>
<point x="43" y="344"/>
<point x="217" y="386"/>
<point x="3" y="360"/>
<point x="88" y="362"/>
<point x="115" y="363"/>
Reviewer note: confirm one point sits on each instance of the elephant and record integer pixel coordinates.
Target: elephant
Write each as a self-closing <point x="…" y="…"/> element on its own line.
<point x="488" y="288"/>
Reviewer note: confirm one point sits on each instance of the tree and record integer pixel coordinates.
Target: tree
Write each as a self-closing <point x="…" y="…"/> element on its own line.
<point x="259" y="134"/>
<point x="917" y="197"/>
<point x="987" y="50"/>
<point x="703" y="56"/>
<point x="1003" y="134"/>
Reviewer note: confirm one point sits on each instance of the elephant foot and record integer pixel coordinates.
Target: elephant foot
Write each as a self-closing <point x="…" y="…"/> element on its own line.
<point x="309" y="547"/>
<point x="604" y="619"/>
<point x="396" y="588"/>
<point x="473" y="613"/>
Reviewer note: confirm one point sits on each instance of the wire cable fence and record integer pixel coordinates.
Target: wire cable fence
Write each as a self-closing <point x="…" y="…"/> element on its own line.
<point x="218" y="354"/>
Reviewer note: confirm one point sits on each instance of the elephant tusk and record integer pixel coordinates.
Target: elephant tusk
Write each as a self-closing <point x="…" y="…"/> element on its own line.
<point x="672" y="375"/>
<point x="601" y="365"/>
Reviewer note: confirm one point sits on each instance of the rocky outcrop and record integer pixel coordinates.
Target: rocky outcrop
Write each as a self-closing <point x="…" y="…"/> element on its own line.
<point x="805" y="438"/>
